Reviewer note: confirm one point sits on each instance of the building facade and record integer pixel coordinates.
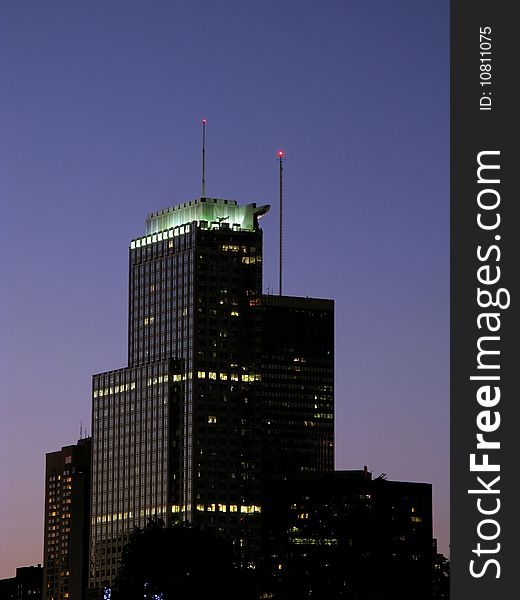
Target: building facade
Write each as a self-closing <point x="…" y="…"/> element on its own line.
<point x="180" y="433"/>
<point x="67" y="506"/>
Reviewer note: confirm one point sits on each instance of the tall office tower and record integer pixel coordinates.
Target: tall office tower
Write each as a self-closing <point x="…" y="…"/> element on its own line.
<point x="297" y="400"/>
<point x="67" y="504"/>
<point x="180" y="433"/>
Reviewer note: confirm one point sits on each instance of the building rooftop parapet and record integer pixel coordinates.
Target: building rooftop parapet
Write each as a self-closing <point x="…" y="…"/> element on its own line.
<point x="206" y="213"/>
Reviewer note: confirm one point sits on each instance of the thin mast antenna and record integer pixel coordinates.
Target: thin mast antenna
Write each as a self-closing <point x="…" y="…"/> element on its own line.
<point x="203" y="158"/>
<point x="280" y="155"/>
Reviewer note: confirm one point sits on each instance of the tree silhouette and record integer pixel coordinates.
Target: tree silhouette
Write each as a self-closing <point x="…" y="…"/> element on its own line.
<point x="180" y="562"/>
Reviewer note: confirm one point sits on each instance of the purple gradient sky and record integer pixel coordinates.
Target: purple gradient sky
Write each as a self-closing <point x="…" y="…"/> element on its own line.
<point x="100" y="117"/>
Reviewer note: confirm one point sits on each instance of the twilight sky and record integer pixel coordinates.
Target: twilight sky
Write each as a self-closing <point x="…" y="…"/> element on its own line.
<point x="100" y="109"/>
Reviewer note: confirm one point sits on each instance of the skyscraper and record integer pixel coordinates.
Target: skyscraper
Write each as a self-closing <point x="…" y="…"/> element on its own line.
<point x="66" y="530"/>
<point x="182" y="432"/>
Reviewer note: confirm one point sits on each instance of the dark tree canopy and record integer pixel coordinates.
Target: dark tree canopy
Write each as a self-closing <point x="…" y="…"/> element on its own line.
<point x="180" y="562"/>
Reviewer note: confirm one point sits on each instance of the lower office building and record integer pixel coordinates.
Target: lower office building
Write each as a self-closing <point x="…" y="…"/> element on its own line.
<point x="346" y="535"/>
<point x="26" y="585"/>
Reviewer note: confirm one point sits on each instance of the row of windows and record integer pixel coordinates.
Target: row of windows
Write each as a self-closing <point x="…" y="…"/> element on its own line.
<point x="244" y="377"/>
<point x="123" y="464"/>
<point x="129" y="465"/>
<point x="133" y="402"/>
<point x="156" y="244"/>
<point x="135" y="418"/>
<point x="138" y="486"/>
<point x="141" y="494"/>
<point x="161" y="280"/>
<point x="116" y="389"/>
<point x="175" y="305"/>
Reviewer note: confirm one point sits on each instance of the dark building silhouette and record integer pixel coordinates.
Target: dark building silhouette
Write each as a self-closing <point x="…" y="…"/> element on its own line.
<point x="223" y="390"/>
<point x="26" y="585"/>
<point x="346" y="535"/>
<point x="297" y="387"/>
<point x="67" y="506"/>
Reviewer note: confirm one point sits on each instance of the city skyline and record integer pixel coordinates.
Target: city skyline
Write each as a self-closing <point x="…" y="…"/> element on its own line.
<point x="76" y="207"/>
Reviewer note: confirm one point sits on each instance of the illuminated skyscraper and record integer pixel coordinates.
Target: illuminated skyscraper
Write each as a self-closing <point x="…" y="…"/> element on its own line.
<point x="183" y="432"/>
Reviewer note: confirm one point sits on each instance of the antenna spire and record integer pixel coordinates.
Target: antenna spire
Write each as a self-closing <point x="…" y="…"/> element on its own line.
<point x="280" y="154"/>
<point x="203" y="158"/>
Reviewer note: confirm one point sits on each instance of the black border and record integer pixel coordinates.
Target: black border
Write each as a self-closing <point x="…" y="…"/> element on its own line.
<point x="472" y="131"/>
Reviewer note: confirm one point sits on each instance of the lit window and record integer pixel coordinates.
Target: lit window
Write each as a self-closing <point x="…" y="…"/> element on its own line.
<point x="212" y="419"/>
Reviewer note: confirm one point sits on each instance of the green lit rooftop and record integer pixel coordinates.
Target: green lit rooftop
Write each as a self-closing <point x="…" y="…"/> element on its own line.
<point x="207" y="213"/>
